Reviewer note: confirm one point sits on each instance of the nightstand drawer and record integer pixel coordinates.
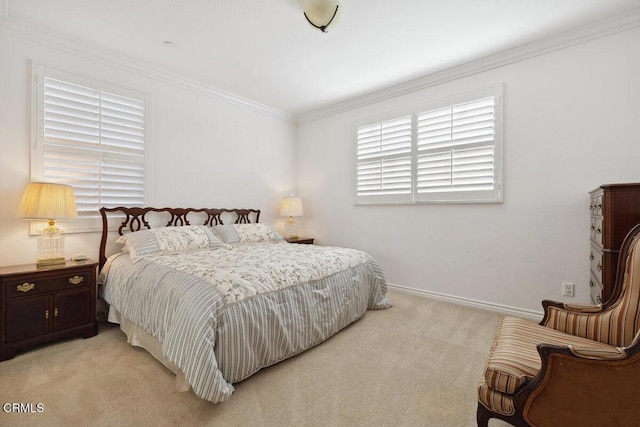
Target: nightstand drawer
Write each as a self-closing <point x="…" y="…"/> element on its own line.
<point x="37" y="284"/>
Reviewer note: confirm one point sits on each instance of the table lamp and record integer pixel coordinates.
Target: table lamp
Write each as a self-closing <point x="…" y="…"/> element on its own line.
<point x="44" y="200"/>
<point x="291" y="207"/>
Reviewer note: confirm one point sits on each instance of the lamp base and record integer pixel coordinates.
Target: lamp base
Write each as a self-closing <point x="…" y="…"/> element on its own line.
<point x="50" y="247"/>
<point x="46" y="262"/>
<point x="291" y="229"/>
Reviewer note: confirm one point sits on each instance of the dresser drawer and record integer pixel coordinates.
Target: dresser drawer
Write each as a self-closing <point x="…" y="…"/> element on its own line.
<point x="595" y="289"/>
<point x="596" y="204"/>
<point x="596" y="229"/>
<point x="37" y="284"/>
<point x="597" y="261"/>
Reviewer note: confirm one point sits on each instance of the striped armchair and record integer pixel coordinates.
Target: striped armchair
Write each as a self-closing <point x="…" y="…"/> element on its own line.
<point x="579" y="366"/>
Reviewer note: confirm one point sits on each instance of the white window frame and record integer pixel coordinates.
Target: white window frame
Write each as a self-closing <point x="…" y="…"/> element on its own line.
<point x="494" y="195"/>
<point x="41" y="71"/>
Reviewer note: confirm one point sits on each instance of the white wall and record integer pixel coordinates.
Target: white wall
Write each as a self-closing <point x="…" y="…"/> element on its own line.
<point x="571" y="123"/>
<point x="204" y="152"/>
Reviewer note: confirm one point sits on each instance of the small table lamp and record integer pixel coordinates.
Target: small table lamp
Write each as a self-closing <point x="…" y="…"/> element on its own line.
<point x="44" y="200"/>
<point x="291" y="207"/>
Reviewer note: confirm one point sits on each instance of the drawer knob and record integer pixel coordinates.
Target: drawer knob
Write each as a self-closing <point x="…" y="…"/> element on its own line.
<point x="599" y="299"/>
<point x="591" y="283"/>
<point x="26" y="287"/>
<point x="598" y="230"/>
<point x="591" y="257"/>
<point x="599" y="266"/>
<point x="76" y="280"/>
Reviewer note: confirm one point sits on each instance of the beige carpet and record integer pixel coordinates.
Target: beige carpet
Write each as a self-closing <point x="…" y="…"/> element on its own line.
<point x="415" y="364"/>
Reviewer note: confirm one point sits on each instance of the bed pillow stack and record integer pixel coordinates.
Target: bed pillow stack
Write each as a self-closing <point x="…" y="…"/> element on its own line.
<point x="169" y="240"/>
<point x="247" y="233"/>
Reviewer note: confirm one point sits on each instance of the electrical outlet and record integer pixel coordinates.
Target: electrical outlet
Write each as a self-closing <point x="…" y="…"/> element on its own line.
<point x="567" y="289"/>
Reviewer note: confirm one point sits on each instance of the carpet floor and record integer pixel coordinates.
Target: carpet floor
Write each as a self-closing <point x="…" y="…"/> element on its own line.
<point x="415" y="364"/>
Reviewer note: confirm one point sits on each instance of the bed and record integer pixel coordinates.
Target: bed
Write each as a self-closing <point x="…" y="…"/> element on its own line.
<point x="215" y="295"/>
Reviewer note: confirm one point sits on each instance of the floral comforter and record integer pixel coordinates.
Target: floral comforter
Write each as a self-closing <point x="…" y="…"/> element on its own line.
<point x="249" y="269"/>
<point x="222" y="314"/>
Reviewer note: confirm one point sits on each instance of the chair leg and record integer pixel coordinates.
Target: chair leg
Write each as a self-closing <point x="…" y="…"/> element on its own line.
<point x="482" y="416"/>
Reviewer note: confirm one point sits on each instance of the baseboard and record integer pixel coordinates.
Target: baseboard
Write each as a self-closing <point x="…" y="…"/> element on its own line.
<point x="533" y="315"/>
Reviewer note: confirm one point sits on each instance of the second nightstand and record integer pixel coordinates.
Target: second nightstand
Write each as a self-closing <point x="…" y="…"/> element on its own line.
<point x="42" y="304"/>
<point x="302" y="240"/>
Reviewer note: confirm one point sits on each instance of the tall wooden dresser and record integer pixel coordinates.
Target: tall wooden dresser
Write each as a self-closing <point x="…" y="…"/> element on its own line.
<point x="615" y="209"/>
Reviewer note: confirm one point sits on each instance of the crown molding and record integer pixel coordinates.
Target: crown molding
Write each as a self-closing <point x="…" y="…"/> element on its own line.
<point x="583" y="34"/>
<point x="20" y="29"/>
<point x="598" y="29"/>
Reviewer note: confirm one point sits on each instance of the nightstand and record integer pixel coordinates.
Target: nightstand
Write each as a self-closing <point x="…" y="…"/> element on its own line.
<point x="43" y="304"/>
<point x="302" y="240"/>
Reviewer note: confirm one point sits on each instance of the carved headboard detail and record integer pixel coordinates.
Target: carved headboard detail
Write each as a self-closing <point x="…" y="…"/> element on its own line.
<point x="137" y="218"/>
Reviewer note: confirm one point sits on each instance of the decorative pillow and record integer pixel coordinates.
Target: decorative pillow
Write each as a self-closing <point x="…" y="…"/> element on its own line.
<point x="247" y="233"/>
<point x="168" y="239"/>
<point x="139" y="243"/>
<point x="226" y="233"/>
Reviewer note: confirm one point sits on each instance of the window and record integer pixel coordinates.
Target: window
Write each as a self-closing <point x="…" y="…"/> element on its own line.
<point x="92" y="136"/>
<point x="384" y="158"/>
<point x="446" y="151"/>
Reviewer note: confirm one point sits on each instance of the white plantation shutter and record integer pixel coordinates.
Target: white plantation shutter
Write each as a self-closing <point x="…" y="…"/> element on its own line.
<point x="384" y="161"/>
<point x="93" y="139"/>
<point x="454" y="154"/>
<point x="456" y="149"/>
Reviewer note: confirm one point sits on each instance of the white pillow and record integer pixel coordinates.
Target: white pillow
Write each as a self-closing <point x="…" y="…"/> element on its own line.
<point x="168" y="240"/>
<point x="247" y="233"/>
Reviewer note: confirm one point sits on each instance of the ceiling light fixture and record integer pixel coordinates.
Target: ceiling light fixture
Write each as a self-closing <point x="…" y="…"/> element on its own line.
<point x="322" y="14"/>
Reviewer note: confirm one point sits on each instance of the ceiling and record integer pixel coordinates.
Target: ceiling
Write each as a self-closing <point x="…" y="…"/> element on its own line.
<point x="265" y="51"/>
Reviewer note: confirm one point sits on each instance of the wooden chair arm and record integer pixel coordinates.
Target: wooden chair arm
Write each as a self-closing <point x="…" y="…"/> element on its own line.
<point x="578" y="387"/>
<point x="570" y="308"/>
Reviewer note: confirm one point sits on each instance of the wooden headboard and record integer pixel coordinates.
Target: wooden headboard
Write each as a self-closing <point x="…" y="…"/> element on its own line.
<point x="137" y="218"/>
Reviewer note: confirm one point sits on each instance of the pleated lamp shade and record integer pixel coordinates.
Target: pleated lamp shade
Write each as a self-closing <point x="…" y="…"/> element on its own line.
<point x="44" y="200"/>
<point x="291" y="206"/>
